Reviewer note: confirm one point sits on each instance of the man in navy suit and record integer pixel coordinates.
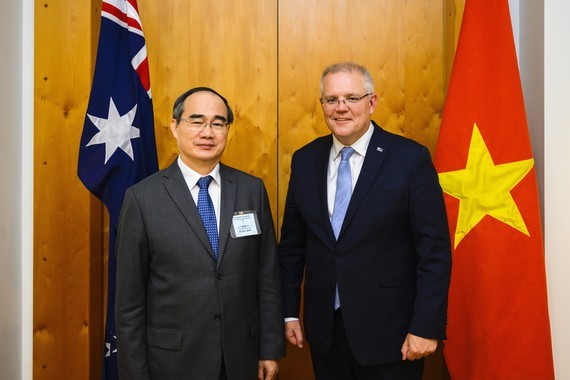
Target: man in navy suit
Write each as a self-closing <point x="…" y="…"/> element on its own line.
<point x="369" y="231"/>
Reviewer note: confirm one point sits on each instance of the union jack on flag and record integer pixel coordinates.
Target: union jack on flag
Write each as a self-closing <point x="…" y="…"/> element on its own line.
<point x="117" y="147"/>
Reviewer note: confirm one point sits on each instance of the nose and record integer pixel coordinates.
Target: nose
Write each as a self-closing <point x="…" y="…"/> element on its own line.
<point x="207" y="130"/>
<point x="341" y="105"/>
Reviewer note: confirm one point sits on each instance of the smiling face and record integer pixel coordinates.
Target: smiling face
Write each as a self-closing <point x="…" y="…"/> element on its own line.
<point x="347" y="122"/>
<point x="201" y="150"/>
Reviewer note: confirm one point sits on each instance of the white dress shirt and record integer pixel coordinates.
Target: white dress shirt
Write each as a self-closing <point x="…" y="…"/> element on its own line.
<point x="356" y="161"/>
<point x="215" y="190"/>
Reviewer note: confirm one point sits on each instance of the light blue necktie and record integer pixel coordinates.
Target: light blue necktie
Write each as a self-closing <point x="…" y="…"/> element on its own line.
<point x="341" y="199"/>
<point x="206" y="210"/>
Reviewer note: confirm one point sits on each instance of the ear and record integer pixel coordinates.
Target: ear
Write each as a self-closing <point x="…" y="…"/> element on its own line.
<point x="373" y="102"/>
<point x="174" y="128"/>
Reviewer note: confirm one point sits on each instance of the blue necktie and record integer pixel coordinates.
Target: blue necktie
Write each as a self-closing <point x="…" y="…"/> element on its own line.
<point x="341" y="200"/>
<point x="206" y="210"/>
<point x="343" y="190"/>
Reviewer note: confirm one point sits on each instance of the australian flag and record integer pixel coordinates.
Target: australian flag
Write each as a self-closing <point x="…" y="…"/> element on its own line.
<point x="118" y="146"/>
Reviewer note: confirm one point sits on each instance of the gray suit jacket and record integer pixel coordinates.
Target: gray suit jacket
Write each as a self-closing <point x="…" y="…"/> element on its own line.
<point x="177" y="307"/>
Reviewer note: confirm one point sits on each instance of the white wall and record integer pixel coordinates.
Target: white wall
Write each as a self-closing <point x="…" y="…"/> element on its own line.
<point x="531" y="62"/>
<point x="27" y="207"/>
<point x="542" y="30"/>
<point x="10" y="190"/>
<point x="557" y="175"/>
<point x="16" y="189"/>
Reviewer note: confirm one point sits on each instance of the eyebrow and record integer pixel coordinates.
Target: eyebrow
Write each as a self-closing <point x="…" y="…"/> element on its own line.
<point x="349" y="95"/>
<point x="216" y="117"/>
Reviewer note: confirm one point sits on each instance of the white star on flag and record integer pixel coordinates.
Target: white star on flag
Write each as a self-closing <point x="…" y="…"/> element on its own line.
<point x="116" y="131"/>
<point x="108" y="346"/>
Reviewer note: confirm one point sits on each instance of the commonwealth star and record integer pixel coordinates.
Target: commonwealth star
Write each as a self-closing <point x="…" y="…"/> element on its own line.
<point x="116" y="131"/>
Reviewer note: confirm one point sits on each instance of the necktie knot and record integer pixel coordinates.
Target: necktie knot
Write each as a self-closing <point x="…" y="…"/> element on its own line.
<point x="204" y="182"/>
<point x="346" y="153"/>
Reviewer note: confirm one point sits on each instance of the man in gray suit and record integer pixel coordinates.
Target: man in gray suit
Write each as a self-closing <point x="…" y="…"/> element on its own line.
<point x="193" y="303"/>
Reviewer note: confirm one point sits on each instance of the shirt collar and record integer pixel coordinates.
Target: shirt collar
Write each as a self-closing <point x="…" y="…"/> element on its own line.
<point x="191" y="176"/>
<point x="360" y="146"/>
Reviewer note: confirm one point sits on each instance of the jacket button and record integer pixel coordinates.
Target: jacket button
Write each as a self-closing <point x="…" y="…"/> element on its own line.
<point x="220" y="276"/>
<point x="217" y="317"/>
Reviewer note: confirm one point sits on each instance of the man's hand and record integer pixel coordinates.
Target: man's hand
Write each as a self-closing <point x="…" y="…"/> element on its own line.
<point x="293" y="333"/>
<point x="268" y="369"/>
<point x="416" y="347"/>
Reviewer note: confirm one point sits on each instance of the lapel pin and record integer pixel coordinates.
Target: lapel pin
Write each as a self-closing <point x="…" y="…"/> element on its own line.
<point x="379" y="149"/>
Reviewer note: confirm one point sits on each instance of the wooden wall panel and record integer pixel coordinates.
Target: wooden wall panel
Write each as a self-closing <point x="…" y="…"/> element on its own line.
<point x="228" y="45"/>
<point x="400" y="42"/>
<point x="231" y="46"/>
<point x="453" y="17"/>
<point x="266" y="57"/>
<point x="67" y="242"/>
<point x="424" y="70"/>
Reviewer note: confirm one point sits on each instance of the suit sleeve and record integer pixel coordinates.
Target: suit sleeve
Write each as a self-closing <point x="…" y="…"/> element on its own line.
<point x="431" y="238"/>
<point x="272" y="337"/>
<point x="130" y="309"/>
<point x="292" y="249"/>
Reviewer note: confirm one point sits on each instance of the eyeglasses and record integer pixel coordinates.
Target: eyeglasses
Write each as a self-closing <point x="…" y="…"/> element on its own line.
<point x="335" y="102"/>
<point x="198" y="125"/>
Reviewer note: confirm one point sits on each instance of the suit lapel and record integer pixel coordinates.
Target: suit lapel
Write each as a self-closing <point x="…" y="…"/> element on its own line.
<point x="178" y="190"/>
<point x="227" y="207"/>
<point x="375" y="154"/>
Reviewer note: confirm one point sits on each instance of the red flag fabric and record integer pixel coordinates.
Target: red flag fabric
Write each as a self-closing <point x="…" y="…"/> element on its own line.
<point x="498" y="323"/>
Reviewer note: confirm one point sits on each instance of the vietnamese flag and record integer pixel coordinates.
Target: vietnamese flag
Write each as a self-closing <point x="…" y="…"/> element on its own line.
<point x="498" y="324"/>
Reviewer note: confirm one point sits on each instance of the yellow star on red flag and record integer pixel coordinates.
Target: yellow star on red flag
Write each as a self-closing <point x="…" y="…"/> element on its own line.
<point x="484" y="188"/>
<point x="498" y="280"/>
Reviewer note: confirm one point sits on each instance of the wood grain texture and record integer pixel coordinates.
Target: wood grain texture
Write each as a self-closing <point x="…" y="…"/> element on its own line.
<point x="400" y="42"/>
<point x="424" y="70"/>
<point x="266" y="58"/>
<point x="67" y="247"/>
<point x="453" y="17"/>
<point x="230" y="46"/>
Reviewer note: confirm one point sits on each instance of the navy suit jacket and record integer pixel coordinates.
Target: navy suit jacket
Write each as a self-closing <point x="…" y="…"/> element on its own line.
<point x="392" y="259"/>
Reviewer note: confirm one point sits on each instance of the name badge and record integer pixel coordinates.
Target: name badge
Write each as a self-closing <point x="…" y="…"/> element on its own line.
<point x="245" y="223"/>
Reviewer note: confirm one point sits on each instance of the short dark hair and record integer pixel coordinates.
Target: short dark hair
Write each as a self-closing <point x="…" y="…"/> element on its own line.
<point x="178" y="108"/>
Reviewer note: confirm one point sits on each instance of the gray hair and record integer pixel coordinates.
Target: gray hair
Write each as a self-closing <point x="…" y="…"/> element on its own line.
<point x="349" y="67"/>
